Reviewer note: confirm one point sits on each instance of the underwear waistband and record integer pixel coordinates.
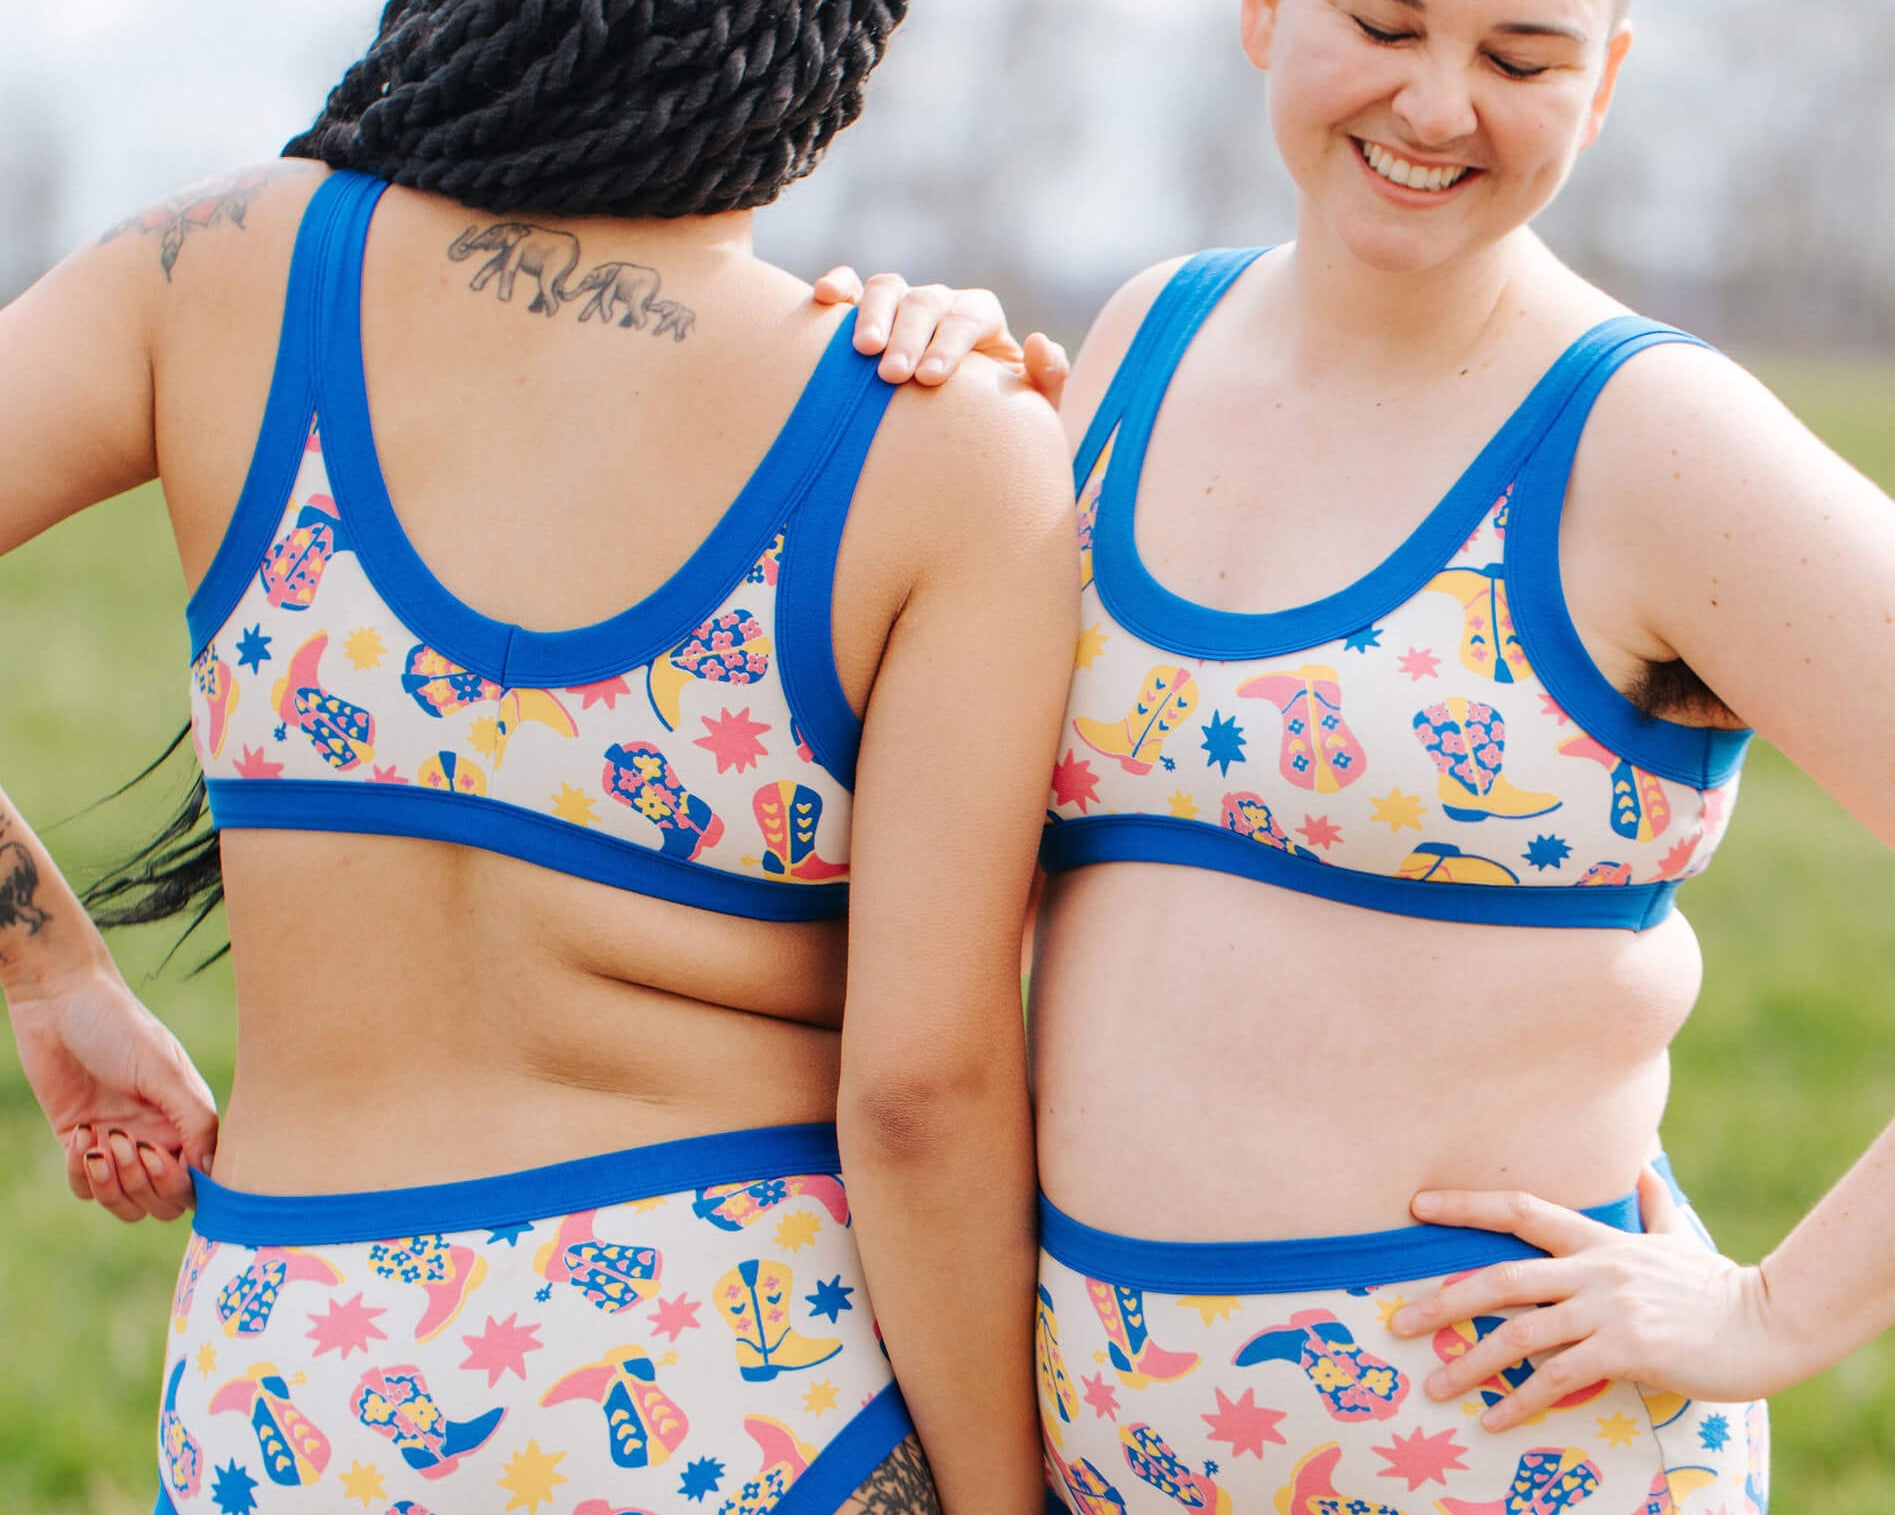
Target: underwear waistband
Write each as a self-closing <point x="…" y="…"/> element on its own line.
<point x="586" y="1183"/>
<point x="1295" y="1265"/>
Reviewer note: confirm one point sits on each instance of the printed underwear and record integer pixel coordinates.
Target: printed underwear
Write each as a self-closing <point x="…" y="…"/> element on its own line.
<point x="682" y="1327"/>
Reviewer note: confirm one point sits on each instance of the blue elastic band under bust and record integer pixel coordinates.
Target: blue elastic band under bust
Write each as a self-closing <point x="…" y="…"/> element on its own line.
<point x="1295" y="1266"/>
<point x="587" y="1183"/>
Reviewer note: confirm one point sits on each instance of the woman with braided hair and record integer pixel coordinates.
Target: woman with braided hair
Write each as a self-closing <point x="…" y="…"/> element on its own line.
<point x="553" y="1168"/>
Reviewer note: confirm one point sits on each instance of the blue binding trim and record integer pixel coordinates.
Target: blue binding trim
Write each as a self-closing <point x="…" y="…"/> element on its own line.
<point x="280" y="440"/>
<point x="1285" y="1267"/>
<point x="1067" y="844"/>
<point x="1170" y="621"/>
<point x="848" y="1458"/>
<point x="164" y="1505"/>
<point x="498" y="650"/>
<point x="514" y="831"/>
<point x="587" y="1183"/>
<point x="1696" y="755"/>
<point x="806" y="582"/>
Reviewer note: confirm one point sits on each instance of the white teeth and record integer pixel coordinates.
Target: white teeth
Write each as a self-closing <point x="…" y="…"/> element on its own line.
<point x="1410" y="175"/>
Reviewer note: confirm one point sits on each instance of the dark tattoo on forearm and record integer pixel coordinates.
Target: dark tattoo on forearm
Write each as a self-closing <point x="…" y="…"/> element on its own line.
<point x="19" y="883"/>
<point x="198" y="209"/>
<point x="621" y="292"/>
<point x="902" y="1485"/>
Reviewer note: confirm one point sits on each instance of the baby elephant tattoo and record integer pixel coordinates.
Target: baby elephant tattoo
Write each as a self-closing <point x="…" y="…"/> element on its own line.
<point x="618" y="292"/>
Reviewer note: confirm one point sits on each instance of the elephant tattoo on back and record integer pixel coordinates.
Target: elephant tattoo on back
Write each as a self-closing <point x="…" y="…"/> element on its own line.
<point x="619" y="293"/>
<point x="548" y="257"/>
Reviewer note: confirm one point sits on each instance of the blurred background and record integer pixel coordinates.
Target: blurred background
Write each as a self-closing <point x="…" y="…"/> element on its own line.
<point x="1745" y="188"/>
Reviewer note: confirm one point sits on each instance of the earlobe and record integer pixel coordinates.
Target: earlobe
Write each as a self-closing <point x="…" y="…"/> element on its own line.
<point x="1616" y="49"/>
<point x="1258" y="25"/>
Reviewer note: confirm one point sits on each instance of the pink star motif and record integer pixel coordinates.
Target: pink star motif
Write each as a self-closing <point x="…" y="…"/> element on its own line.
<point x="388" y="775"/>
<point x="1243" y="1423"/>
<point x="607" y="690"/>
<point x="252" y="765"/>
<point x="1422" y="1458"/>
<point x="1074" y="783"/>
<point x="1320" y="831"/>
<point x="1102" y="1397"/>
<point x="346" y="1328"/>
<point x="1551" y="707"/>
<point x="674" y="1317"/>
<point x="733" y="740"/>
<point x="501" y="1348"/>
<point x="1420" y="663"/>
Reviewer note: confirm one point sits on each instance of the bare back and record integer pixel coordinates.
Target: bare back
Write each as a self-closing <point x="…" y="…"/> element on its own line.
<point x="468" y="1011"/>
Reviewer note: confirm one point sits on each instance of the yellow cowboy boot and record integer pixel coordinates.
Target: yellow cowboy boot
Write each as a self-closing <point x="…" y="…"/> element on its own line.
<point x="754" y="1300"/>
<point x="1169" y="695"/>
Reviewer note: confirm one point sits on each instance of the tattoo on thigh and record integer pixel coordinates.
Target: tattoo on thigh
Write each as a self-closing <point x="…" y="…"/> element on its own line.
<point x="19" y="883"/>
<point x="617" y="292"/>
<point x="902" y="1485"/>
<point x="199" y="208"/>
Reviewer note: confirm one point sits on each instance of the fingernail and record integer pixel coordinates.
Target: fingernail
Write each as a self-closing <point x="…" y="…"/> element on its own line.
<point x="121" y="1145"/>
<point x="1403" y="1320"/>
<point x="97" y="1157"/>
<point x="82" y="1135"/>
<point x="1491" y="1420"/>
<point x="1437" y="1385"/>
<point x="872" y="333"/>
<point x="153" y="1164"/>
<point x="933" y="368"/>
<point x="1427" y="1204"/>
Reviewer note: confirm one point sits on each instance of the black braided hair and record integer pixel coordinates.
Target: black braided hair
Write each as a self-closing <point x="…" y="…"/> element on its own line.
<point x="602" y="107"/>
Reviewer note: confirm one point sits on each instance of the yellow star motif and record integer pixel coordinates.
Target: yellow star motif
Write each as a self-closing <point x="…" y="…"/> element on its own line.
<point x="207" y="1359"/>
<point x="1617" y="1429"/>
<point x="531" y="1477"/>
<point x="484" y="734"/>
<point x="574" y="805"/>
<point x="820" y="1397"/>
<point x="646" y="1206"/>
<point x="1386" y="1308"/>
<point x="1396" y="810"/>
<point x="794" y="1232"/>
<point x="668" y="1360"/>
<point x="1211" y="1308"/>
<point x="363" y="1483"/>
<point x="1091" y="643"/>
<point x="364" y="648"/>
<point x="1183" y="806"/>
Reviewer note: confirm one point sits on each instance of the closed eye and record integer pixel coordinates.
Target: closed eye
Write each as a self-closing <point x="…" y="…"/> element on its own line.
<point x="1376" y="34"/>
<point x="1517" y="70"/>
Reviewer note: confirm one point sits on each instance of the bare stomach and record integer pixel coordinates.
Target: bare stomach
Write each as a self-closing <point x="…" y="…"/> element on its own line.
<point x="1219" y="1060"/>
<point x="414" y="1013"/>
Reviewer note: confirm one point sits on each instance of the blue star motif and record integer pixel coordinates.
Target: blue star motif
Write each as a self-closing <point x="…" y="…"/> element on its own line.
<point x="509" y="1234"/>
<point x="1547" y="852"/>
<point x="543" y="1293"/>
<point x="232" y="1490"/>
<point x="1223" y="741"/>
<point x="253" y="650"/>
<point x="1210" y="1470"/>
<point x="701" y="1478"/>
<point x="830" y="1299"/>
<point x="281" y="733"/>
<point x="1363" y="640"/>
<point x="1170" y="764"/>
<point x="1715" y="1431"/>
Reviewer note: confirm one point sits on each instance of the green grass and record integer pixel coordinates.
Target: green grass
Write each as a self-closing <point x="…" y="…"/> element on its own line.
<point x="1783" y="1075"/>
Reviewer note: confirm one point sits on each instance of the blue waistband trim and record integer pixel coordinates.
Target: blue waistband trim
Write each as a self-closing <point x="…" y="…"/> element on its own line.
<point x="844" y="1464"/>
<point x="1197" y="844"/>
<point x="1285" y="1267"/>
<point x="514" y="831"/>
<point x="587" y="1183"/>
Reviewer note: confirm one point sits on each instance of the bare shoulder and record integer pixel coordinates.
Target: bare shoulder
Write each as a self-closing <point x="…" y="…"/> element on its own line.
<point x="1683" y="439"/>
<point x="1107" y="341"/>
<point x="980" y="461"/>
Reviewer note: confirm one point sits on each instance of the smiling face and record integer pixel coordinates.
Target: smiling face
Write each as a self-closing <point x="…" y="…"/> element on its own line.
<point x="1420" y="130"/>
